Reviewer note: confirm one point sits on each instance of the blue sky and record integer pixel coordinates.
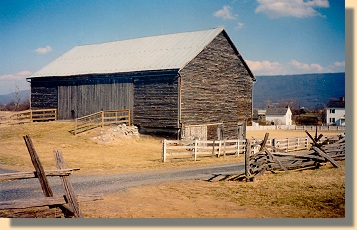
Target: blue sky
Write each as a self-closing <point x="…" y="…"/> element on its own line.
<point x="275" y="37"/>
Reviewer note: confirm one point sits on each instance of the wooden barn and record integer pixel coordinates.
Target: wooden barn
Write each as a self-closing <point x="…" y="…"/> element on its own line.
<point x="172" y="82"/>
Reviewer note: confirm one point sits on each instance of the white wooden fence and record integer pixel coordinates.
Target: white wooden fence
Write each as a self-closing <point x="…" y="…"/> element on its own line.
<point x="295" y="127"/>
<point x="197" y="148"/>
<point x="192" y="149"/>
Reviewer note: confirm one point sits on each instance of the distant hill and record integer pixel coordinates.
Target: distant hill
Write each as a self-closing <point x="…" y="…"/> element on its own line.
<point x="311" y="90"/>
<point x="7" y="98"/>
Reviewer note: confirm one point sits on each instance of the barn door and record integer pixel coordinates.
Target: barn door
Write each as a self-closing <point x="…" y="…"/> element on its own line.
<point x="67" y="106"/>
<point x="198" y="132"/>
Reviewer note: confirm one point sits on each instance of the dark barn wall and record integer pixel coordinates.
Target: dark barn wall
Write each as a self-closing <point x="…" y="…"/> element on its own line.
<point x="216" y="87"/>
<point x="156" y="101"/>
<point x="43" y="94"/>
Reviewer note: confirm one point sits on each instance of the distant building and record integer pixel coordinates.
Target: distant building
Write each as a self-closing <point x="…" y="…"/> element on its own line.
<point x="278" y="116"/>
<point x="335" y="112"/>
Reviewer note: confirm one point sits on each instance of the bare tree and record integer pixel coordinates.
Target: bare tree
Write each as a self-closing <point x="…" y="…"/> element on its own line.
<point x="17" y="97"/>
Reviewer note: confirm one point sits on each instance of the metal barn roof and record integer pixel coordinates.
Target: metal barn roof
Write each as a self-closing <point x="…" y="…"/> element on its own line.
<point x="172" y="51"/>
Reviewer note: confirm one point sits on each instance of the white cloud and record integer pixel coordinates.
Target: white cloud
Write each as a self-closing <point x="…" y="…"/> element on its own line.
<point x="239" y="26"/>
<point x="293" y="67"/>
<point x="339" y="64"/>
<point x="43" y="50"/>
<point x="17" y="76"/>
<point x="265" y="67"/>
<point x="306" y="68"/>
<point x="225" y="13"/>
<point x="291" y="8"/>
<point x="9" y="82"/>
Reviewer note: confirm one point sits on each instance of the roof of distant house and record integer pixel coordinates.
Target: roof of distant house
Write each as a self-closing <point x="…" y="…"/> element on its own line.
<point x="336" y="103"/>
<point x="276" y="111"/>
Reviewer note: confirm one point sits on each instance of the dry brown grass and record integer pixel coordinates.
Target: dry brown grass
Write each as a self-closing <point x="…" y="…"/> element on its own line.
<point x="307" y="194"/>
<point x="82" y="151"/>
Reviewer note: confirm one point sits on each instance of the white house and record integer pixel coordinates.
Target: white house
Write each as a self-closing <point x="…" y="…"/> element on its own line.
<point x="335" y="112"/>
<point x="278" y="116"/>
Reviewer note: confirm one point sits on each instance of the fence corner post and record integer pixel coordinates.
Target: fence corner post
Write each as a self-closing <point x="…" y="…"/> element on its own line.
<point x="164" y="150"/>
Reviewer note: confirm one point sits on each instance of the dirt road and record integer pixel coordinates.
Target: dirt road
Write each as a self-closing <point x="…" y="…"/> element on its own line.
<point x="92" y="184"/>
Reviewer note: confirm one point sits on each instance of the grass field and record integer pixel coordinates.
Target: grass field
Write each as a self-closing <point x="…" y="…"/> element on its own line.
<point x="92" y="156"/>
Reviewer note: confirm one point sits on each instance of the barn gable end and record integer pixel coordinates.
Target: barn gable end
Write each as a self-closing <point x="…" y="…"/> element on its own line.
<point x="216" y="87"/>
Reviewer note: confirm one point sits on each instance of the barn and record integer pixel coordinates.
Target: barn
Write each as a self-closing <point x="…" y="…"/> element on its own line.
<point x="172" y="82"/>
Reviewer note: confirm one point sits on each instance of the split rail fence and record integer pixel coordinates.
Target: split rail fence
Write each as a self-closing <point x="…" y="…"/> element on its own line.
<point x="321" y="151"/>
<point x="68" y="203"/>
<point x="101" y="119"/>
<point x="28" y="116"/>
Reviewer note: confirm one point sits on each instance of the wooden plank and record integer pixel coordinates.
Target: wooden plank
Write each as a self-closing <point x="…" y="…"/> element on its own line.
<point x="277" y="161"/>
<point x="179" y="154"/>
<point x="28" y="175"/>
<point x="40" y="172"/>
<point x="67" y="186"/>
<point x="246" y="162"/>
<point x="262" y="145"/>
<point x="327" y="157"/>
<point x="168" y="147"/>
<point x="45" y="201"/>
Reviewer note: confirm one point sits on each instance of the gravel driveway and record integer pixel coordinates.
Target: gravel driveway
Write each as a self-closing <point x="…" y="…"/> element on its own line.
<point x="92" y="184"/>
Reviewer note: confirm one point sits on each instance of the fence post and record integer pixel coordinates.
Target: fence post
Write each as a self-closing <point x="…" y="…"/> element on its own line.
<point x="102" y="115"/>
<point x="75" y="126"/>
<point x="306" y="143"/>
<point x="238" y="147"/>
<point x="164" y="150"/>
<point x="213" y="146"/>
<point x="287" y="145"/>
<point x="219" y="148"/>
<point x="195" y="151"/>
<point x="273" y="143"/>
<point x="246" y="159"/>
<point x="297" y="144"/>
<point x="31" y="115"/>
<point x="129" y="122"/>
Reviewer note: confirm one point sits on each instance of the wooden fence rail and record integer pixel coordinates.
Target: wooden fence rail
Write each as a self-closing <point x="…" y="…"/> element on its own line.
<point x="28" y="116"/>
<point x="101" y="119"/>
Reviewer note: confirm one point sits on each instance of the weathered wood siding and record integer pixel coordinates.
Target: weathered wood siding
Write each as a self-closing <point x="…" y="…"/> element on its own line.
<point x="156" y="101"/>
<point x="83" y="97"/>
<point x="216" y="87"/>
<point x="43" y="95"/>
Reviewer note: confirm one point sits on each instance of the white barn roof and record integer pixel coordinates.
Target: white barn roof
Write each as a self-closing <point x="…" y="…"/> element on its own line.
<point x="172" y="51"/>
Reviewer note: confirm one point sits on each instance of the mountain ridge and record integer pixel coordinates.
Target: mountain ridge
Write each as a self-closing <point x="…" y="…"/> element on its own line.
<point x="309" y="90"/>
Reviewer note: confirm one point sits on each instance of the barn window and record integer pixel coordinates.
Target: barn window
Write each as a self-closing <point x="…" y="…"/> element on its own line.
<point x="332" y="110"/>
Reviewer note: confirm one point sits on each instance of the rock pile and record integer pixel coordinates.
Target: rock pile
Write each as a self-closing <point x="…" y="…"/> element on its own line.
<point x="117" y="132"/>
